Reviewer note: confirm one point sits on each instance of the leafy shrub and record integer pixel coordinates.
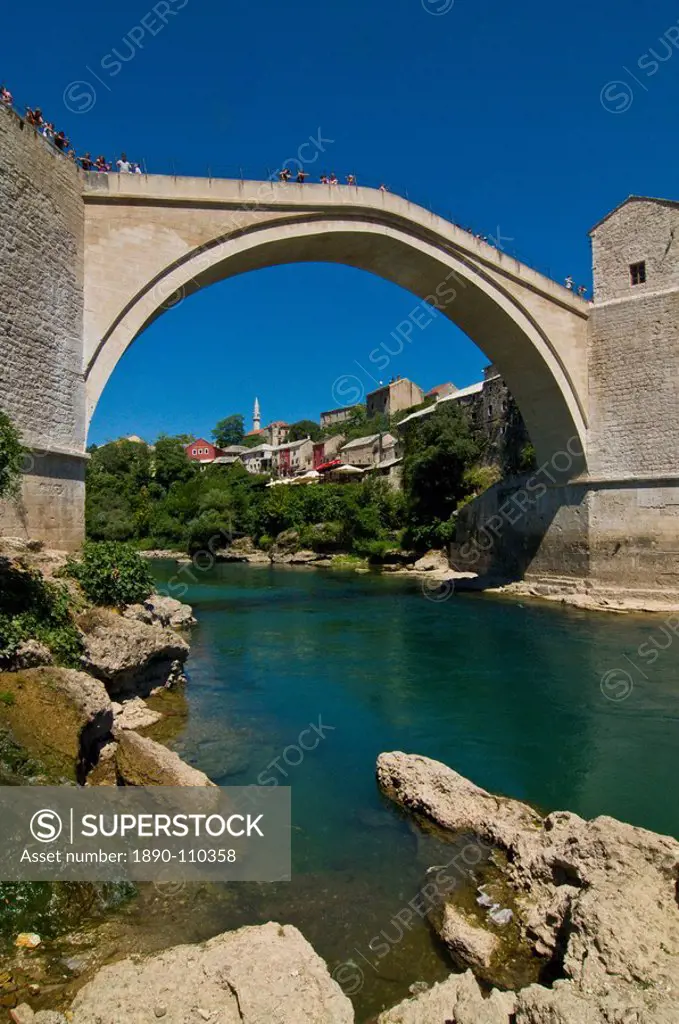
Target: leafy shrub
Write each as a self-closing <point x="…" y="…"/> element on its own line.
<point x="11" y="456"/>
<point x="323" y="538"/>
<point x="374" y="550"/>
<point x="111" y="574"/>
<point x="33" y="609"/>
<point x="7" y="699"/>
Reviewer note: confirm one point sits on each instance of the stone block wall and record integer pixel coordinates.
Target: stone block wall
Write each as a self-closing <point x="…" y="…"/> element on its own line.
<point x="41" y="314"/>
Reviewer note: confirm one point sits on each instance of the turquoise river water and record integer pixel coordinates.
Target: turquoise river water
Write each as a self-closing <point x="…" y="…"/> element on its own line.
<point x="564" y="709"/>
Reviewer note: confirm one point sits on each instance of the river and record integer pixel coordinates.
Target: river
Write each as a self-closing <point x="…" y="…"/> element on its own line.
<point x="557" y="707"/>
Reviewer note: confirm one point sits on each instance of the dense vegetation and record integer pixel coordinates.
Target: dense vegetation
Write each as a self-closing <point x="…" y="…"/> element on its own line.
<point x="111" y="574"/>
<point x="11" y="456"/>
<point x="159" y="498"/>
<point x="31" y="608"/>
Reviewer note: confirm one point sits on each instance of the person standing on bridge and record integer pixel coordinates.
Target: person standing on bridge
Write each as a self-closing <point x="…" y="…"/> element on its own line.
<point x="301" y="176"/>
<point x="383" y="188"/>
<point x="284" y="174"/>
<point x="124" y="166"/>
<point x="101" y="165"/>
<point x="351" y="179"/>
<point x="6" y="97"/>
<point x="569" y="283"/>
<point x="333" y="179"/>
<point x="324" y="179"/>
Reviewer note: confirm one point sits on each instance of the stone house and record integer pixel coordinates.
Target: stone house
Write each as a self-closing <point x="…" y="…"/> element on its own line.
<point x="394" y="397"/>
<point x="258" y="460"/>
<point x="492" y="412"/>
<point x="325" y="451"/>
<point x="335" y="416"/>
<point x="294" y="458"/>
<point x="367" y="452"/>
<point x="202" y="451"/>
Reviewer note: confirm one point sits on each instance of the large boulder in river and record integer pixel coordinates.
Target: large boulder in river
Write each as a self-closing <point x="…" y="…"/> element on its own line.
<point x="131" y="657"/>
<point x="457" y="999"/>
<point x="597" y="899"/>
<point x="256" y="975"/>
<point x="143" y="762"/>
<point x="162" y="611"/>
<point x="59" y="715"/>
<point x="433" y="561"/>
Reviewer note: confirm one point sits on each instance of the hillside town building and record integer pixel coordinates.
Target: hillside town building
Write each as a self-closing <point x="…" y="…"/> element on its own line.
<point x="397" y="395"/>
<point x="335" y="416"/>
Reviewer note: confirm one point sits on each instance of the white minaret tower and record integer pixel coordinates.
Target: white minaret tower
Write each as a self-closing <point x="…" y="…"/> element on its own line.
<point x="256" y="418"/>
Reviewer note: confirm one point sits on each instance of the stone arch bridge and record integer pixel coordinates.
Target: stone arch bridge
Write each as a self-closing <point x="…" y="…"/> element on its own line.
<point x="89" y="261"/>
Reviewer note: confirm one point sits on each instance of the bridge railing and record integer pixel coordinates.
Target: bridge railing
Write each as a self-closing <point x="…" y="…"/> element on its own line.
<point x="244" y="173"/>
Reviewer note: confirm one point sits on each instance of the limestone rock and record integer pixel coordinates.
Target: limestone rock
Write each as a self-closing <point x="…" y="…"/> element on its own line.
<point x="433" y="560"/>
<point x="131" y="657"/>
<point x="304" y="557"/>
<point x="50" y="1017"/>
<point x="143" y="762"/>
<point x="134" y="714"/>
<point x="59" y="713"/>
<point x="162" y="611"/>
<point x="286" y="543"/>
<point x="599" y="897"/>
<point x="457" y="999"/>
<point x="105" y="772"/>
<point x="29" y="654"/>
<point x="469" y="944"/>
<point x="254" y="975"/>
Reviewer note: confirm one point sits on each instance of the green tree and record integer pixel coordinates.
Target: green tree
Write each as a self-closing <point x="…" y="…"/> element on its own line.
<point x="304" y="428"/>
<point x="438" y="451"/>
<point x="11" y="456"/>
<point x="230" y="430"/>
<point x="172" y="463"/>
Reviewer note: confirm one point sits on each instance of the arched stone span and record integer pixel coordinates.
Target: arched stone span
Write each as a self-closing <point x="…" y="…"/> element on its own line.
<point x="150" y="241"/>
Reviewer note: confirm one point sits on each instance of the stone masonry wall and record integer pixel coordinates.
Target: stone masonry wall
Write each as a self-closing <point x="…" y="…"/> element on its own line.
<point x="41" y="311"/>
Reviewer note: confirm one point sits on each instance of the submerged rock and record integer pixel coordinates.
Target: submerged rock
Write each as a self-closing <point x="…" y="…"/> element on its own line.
<point x="598" y="898"/>
<point x="134" y="714"/>
<point x="254" y="975"/>
<point x="143" y="762"/>
<point x="131" y="657"/>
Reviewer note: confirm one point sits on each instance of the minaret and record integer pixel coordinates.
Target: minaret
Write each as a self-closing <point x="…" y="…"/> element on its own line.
<point x="256" y="418"/>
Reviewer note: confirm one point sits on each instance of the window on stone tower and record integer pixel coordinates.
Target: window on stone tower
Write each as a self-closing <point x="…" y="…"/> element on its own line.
<point x="637" y="272"/>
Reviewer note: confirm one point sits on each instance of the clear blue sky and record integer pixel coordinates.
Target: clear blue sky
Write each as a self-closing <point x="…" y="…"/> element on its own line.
<point x="492" y="112"/>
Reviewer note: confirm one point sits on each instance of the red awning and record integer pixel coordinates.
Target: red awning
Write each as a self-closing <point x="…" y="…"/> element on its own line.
<point x="325" y="466"/>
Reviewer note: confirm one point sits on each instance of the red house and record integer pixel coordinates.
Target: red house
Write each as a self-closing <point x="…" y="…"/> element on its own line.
<point x="202" y="451"/>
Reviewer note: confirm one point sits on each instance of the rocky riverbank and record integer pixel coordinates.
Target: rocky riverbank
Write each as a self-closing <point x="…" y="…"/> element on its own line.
<point x="82" y="724"/>
<point x="592" y="906"/>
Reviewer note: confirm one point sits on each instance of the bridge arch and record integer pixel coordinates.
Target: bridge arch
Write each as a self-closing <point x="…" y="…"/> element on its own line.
<point x="533" y="330"/>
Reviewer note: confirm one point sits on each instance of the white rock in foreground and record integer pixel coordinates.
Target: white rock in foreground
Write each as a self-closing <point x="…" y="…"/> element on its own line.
<point x="256" y="975"/>
<point x="598" y="898"/>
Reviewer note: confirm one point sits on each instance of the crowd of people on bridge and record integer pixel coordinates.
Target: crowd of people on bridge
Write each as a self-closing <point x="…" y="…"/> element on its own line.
<point x="58" y="138"/>
<point x="285" y="174"/>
